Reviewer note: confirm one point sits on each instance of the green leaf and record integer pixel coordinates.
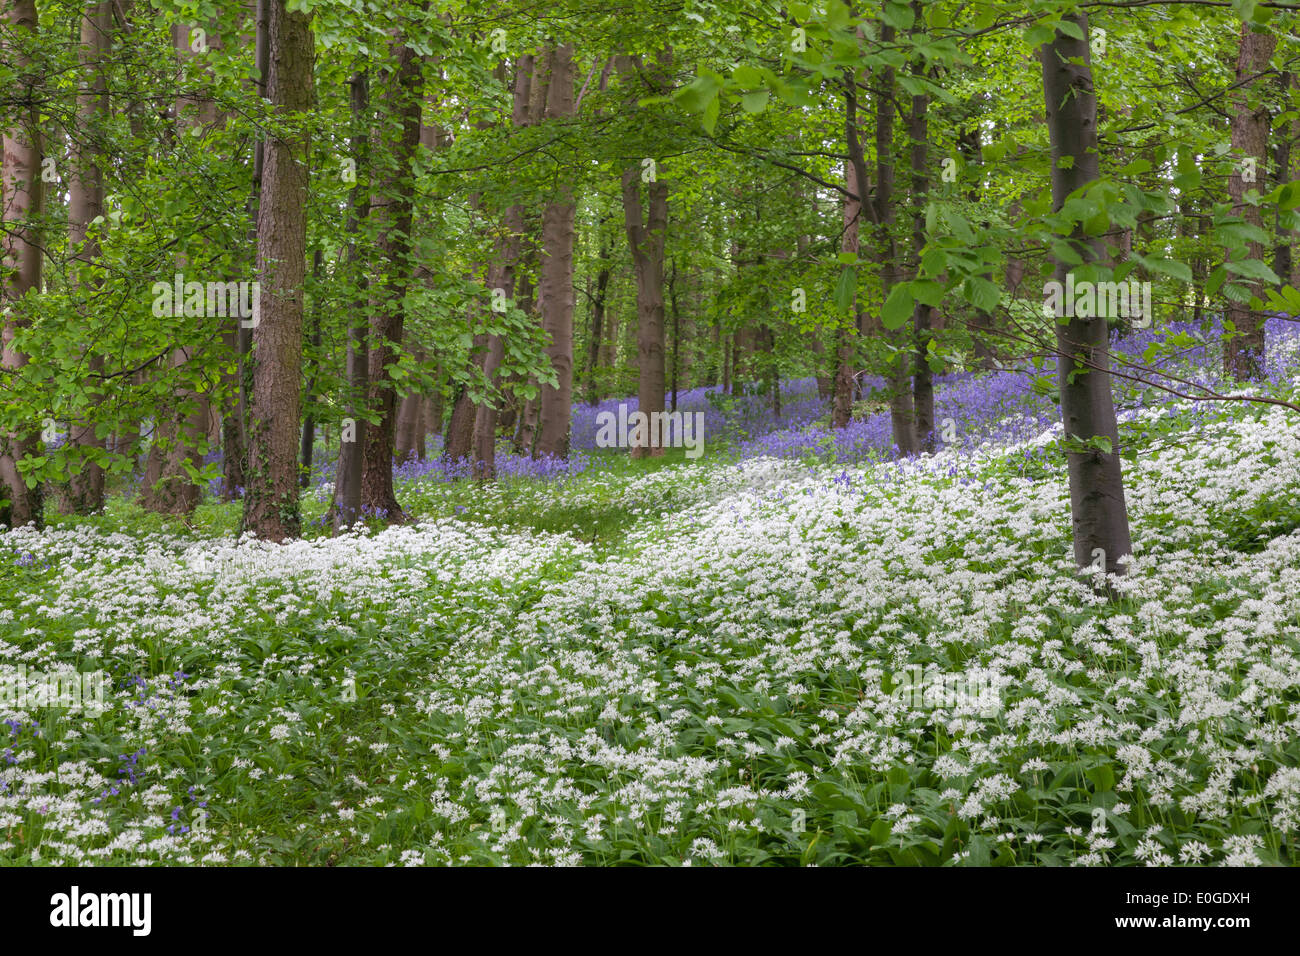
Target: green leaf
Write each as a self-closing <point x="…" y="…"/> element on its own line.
<point x="898" y="15"/>
<point x="1170" y="267"/>
<point x="1102" y="775"/>
<point x="927" y="292"/>
<point x="846" y="289"/>
<point x="898" y="307"/>
<point x="710" y="118"/>
<point x="1070" y="29"/>
<point x="1244" y="9"/>
<point x="1253" y="269"/>
<point x="982" y="293"/>
<point x="700" y="93"/>
<point x="1039" y="34"/>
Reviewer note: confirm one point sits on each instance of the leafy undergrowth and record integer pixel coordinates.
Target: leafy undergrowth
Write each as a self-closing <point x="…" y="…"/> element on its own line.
<point x="684" y="662"/>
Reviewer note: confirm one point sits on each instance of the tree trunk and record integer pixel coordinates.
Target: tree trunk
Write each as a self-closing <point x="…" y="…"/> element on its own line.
<point x="598" y="319"/>
<point x="459" y="441"/>
<point x="609" y="347"/>
<point x="309" y="419"/>
<point x="846" y="335"/>
<point x="1097" y="507"/>
<point x="1243" y="348"/>
<point x="922" y="315"/>
<point x="981" y="322"/>
<point x="239" y="337"/>
<point x="393" y="203"/>
<point x="556" y="292"/>
<point x="1282" y="174"/>
<point x="346" y="507"/>
<point x="181" y="422"/>
<point x="645" y="236"/>
<point x="856" y="208"/>
<point x="271" y="508"/>
<point x="23" y="201"/>
<point x="525" y="440"/>
<point x="901" y="408"/>
<point x="408" y="427"/>
<point x="677" y="332"/>
<point x="726" y="364"/>
<point x="501" y="276"/>
<point x="433" y="408"/>
<point x="84" y="491"/>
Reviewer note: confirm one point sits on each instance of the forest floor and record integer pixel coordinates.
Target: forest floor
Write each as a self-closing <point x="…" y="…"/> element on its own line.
<point x="772" y="655"/>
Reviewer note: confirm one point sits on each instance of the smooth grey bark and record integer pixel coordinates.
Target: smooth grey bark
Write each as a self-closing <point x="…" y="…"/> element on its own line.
<point x="346" y="506"/>
<point x="1097" y="507"/>
<point x="1243" y="349"/>
<point x="83" y="493"/>
<point x="556" y="285"/>
<point x="23" y="201"/>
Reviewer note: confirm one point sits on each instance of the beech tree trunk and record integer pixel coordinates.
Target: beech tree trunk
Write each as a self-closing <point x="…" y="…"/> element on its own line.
<point x="901" y="409"/>
<point x="501" y="275"/>
<point x="393" y="204"/>
<point x="675" y="363"/>
<point x="181" y="424"/>
<point x="846" y="335"/>
<point x="609" y="343"/>
<point x="1097" y="507"/>
<point x="1281" y="175"/>
<point x="22" y="193"/>
<point x="646" y="233"/>
<point x="309" y="419"/>
<point x="408" y="427"/>
<point x="83" y="493"/>
<point x="346" y="506"/>
<point x="181" y="421"/>
<point x="1243" y="348"/>
<point x="922" y="315"/>
<point x="238" y="337"/>
<point x="271" y="509"/>
<point x="595" y="346"/>
<point x="433" y="409"/>
<point x="981" y="321"/>
<point x="556" y="292"/>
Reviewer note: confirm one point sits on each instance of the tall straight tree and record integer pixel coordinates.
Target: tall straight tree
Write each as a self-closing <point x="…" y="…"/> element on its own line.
<point x="902" y="411"/>
<point x="855" y="209"/>
<point x="271" y="502"/>
<point x="237" y="336"/>
<point x="599" y="302"/>
<point x="1097" y="507"/>
<point x="922" y="315"/>
<point x="556" y="286"/>
<point x="347" y="486"/>
<point x="501" y="275"/>
<point x="392" y="205"/>
<point x="181" y="422"/>
<point x="84" y="491"/>
<point x="1243" y="349"/>
<point x="22" y="194"/>
<point x="647" y="233"/>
